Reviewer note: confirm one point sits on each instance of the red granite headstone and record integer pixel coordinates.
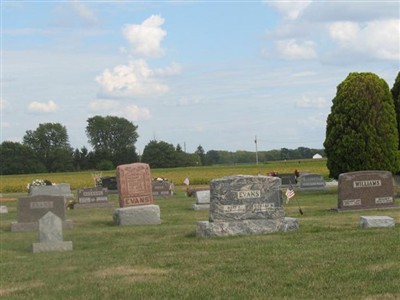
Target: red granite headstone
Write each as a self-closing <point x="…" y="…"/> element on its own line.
<point x="134" y="184"/>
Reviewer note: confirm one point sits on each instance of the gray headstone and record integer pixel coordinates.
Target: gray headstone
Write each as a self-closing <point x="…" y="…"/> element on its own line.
<point x="244" y="205"/>
<point x="3" y="209"/>
<point x="287" y="178"/>
<point x="311" y="182"/>
<point x="137" y="215"/>
<point x="51" y="235"/>
<point x="245" y="197"/>
<point x="203" y="197"/>
<point x="62" y="189"/>
<point x="31" y="209"/>
<point x="162" y="188"/>
<point x="93" y="197"/>
<point x="376" y="221"/>
<point x="365" y="190"/>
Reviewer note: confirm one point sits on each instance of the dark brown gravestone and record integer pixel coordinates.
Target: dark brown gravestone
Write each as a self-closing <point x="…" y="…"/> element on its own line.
<point x="287" y="178"/>
<point x="93" y="197"/>
<point x="162" y="188"/>
<point x="134" y="185"/>
<point x="365" y="190"/>
<point x="31" y="209"/>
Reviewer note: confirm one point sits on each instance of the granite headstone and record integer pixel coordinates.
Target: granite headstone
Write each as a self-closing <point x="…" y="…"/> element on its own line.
<point x="93" y="197"/>
<point x="365" y="190"/>
<point x="245" y="204"/>
<point x="31" y="209"/>
<point x="202" y="200"/>
<point x="311" y="182"/>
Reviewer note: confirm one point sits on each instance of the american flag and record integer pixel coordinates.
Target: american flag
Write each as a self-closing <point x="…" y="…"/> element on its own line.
<point x="289" y="192"/>
<point x="186" y="181"/>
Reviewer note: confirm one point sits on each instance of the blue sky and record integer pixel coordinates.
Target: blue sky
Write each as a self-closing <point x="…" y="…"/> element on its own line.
<point x="215" y="74"/>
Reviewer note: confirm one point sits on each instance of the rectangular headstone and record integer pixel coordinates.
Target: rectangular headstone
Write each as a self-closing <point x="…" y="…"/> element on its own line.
<point x="376" y="221"/>
<point x="311" y="182"/>
<point x="245" y="197"/>
<point x="92" y="198"/>
<point x="110" y="183"/>
<point x="365" y="190"/>
<point x="134" y="184"/>
<point x="31" y="209"/>
<point x="203" y="197"/>
<point x="62" y="189"/>
<point x="162" y="188"/>
<point x="286" y="179"/>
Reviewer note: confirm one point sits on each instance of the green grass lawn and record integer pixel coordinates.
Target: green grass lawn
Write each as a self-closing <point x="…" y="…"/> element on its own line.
<point x="330" y="257"/>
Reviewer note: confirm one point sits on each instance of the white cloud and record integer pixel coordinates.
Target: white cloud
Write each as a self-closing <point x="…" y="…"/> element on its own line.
<point x="99" y="105"/>
<point x="42" y="107"/>
<point x="134" y="79"/>
<point x="307" y="102"/>
<point x="86" y="15"/>
<point x="136" y="113"/>
<point x="291" y="49"/>
<point x="290" y="9"/>
<point x="379" y="39"/>
<point x="146" y="38"/>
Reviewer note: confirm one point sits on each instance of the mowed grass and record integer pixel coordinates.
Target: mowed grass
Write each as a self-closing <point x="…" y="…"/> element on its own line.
<point x="330" y="257"/>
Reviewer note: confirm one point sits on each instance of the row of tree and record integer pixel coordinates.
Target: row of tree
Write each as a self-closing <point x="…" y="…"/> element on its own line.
<point x="47" y="149"/>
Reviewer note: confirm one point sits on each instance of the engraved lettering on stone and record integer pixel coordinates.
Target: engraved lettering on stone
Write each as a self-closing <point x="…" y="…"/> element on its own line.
<point x="234" y="208"/>
<point x="367" y="183"/>
<point x="137" y="200"/>
<point x="248" y="194"/>
<point x="135" y="184"/>
<point x="352" y="202"/>
<point x="263" y="207"/>
<point x="41" y="204"/>
<point x="382" y="200"/>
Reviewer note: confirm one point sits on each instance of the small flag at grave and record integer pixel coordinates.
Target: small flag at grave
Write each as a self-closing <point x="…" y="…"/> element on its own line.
<point x="289" y="192"/>
<point x="186" y="181"/>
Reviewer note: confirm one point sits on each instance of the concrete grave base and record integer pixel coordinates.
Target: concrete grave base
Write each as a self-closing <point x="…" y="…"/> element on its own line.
<point x="249" y="226"/>
<point x="33" y="226"/>
<point x="137" y="215"/>
<point x="52" y="246"/>
<point x="200" y="206"/>
<point x="376" y="221"/>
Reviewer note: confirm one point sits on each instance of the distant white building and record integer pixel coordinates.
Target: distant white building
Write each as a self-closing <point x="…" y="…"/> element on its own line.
<point x="317" y="156"/>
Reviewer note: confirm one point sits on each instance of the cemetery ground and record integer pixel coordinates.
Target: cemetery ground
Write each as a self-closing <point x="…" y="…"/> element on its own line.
<point x="329" y="257"/>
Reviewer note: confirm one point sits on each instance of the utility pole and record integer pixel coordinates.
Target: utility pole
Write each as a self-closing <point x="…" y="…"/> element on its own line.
<point x="255" y="141"/>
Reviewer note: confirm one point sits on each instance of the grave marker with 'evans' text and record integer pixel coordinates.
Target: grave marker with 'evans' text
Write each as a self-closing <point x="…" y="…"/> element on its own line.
<point x="135" y="196"/>
<point x="365" y="190"/>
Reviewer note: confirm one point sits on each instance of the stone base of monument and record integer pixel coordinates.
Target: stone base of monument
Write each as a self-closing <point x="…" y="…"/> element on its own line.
<point x="249" y="226"/>
<point x="33" y="226"/>
<point x="376" y="221"/>
<point x="200" y="206"/>
<point x="93" y="205"/>
<point x="52" y="246"/>
<point x="137" y="215"/>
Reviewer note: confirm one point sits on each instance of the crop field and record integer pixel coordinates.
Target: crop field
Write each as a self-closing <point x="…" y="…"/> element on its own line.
<point x="329" y="257"/>
<point x="196" y="175"/>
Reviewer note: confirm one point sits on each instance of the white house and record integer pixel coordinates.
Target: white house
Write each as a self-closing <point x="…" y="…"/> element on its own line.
<point x="317" y="156"/>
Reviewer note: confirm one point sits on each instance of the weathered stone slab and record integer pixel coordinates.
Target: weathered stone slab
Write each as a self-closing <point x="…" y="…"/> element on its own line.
<point x="245" y="205"/>
<point x="62" y="189"/>
<point x="31" y="209"/>
<point x="162" y="188"/>
<point x="92" y="198"/>
<point x="245" y="197"/>
<point x="137" y="215"/>
<point x="51" y="235"/>
<point x="134" y="185"/>
<point x="365" y="190"/>
<point x="257" y="226"/>
<point x="287" y="178"/>
<point x="311" y="182"/>
<point x="203" y="197"/>
<point x="376" y="221"/>
<point x="3" y="209"/>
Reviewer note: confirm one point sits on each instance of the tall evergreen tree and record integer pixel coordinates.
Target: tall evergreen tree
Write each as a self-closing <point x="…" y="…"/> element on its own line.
<point x="361" y="131"/>
<point x="396" y="98"/>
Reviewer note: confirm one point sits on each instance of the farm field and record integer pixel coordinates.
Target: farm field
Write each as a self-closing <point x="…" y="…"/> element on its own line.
<point x="197" y="175"/>
<point x="329" y="257"/>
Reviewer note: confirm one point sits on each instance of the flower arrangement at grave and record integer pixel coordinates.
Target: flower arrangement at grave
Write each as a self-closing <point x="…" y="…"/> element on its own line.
<point x="39" y="182"/>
